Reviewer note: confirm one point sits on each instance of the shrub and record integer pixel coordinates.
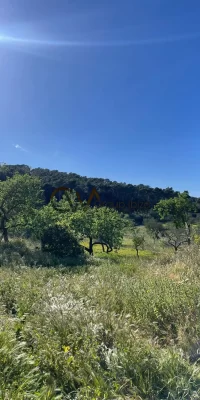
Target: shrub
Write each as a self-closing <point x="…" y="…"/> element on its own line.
<point x="57" y="240"/>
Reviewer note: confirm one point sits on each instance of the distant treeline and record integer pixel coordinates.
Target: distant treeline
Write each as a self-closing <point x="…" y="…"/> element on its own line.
<point x="109" y="191"/>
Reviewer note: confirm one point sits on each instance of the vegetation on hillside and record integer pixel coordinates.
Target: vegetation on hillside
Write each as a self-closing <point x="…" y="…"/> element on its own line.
<point x="133" y="198"/>
<point x="93" y="306"/>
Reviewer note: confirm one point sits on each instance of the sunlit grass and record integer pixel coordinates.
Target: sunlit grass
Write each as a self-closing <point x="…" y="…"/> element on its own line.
<point x="126" y="250"/>
<point x="115" y="328"/>
<point x="123" y="252"/>
<point x="120" y="327"/>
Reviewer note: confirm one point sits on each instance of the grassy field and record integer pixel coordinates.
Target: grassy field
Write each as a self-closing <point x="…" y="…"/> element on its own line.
<point x="127" y="250"/>
<point x="116" y="327"/>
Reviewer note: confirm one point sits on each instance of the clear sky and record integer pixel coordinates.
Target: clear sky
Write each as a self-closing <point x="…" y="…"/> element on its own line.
<point x="103" y="88"/>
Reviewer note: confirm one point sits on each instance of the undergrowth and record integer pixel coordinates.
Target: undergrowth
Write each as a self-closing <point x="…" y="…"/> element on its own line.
<point x="107" y="331"/>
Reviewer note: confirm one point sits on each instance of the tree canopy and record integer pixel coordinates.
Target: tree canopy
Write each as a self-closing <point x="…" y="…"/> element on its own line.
<point x="101" y="225"/>
<point x="124" y="197"/>
<point x="180" y="209"/>
<point x="20" y="196"/>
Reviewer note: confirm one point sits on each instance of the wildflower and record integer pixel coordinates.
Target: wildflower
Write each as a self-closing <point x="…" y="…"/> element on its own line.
<point x="66" y="349"/>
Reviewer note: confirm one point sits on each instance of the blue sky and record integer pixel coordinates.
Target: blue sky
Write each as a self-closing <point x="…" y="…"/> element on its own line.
<point x="104" y="88"/>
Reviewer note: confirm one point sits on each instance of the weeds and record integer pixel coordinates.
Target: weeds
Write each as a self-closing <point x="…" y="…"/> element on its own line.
<point x="110" y="330"/>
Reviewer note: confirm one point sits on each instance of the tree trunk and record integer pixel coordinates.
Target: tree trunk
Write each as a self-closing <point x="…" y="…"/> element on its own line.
<point x="108" y="248"/>
<point x="5" y="235"/>
<point x="188" y="230"/>
<point x="4" y="230"/>
<point x="137" y="251"/>
<point x="90" y="247"/>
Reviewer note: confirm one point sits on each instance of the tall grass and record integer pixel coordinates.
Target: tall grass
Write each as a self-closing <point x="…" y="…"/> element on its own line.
<point x="109" y="331"/>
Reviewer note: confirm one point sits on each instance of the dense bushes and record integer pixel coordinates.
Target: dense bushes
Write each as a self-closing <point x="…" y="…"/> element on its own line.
<point x="59" y="241"/>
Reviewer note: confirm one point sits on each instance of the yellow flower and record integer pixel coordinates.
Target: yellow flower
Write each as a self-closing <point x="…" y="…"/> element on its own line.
<point x="66" y="349"/>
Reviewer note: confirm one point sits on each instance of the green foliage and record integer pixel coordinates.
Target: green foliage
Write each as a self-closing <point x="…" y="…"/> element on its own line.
<point x="20" y="196"/>
<point x="138" y="240"/>
<point x="83" y="222"/>
<point x="109" y="225"/>
<point x="69" y="203"/>
<point x="44" y="218"/>
<point x="179" y="208"/>
<point x="117" y="328"/>
<point x="101" y="224"/>
<point x="109" y="191"/>
<point x="154" y="228"/>
<point x="57" y="240"/>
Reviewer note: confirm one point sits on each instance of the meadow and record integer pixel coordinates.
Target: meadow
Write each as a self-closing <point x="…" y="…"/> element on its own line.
<point x="111" y="327"/>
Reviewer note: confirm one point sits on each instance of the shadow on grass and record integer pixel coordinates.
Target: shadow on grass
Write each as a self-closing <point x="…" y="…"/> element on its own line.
<point x="22" y="253"/>
<point x="25" y="253"/>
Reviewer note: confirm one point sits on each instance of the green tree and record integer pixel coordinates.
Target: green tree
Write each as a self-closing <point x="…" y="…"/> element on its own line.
<point x="138" y="240"/>
<point x="179" y="208"/>
<point x="56" y="213"/>
<point x="43" y="219"/>
<point x="110" y="226"/>
<point x="20" y="196"/>
<point x="99" y="225"/>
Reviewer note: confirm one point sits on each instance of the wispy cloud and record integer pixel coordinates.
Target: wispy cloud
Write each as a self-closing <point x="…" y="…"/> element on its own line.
<point x="105" y="43"/>
<point x="18" y="147"/>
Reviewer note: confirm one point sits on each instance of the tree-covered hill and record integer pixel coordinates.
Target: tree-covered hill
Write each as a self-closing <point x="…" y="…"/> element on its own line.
<point x="134" y="198"/>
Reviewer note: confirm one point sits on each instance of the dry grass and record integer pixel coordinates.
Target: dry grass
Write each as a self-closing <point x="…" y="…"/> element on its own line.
<point x="107" y="331"/>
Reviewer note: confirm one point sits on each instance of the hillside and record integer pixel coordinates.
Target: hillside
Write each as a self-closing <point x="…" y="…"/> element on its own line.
<point x="142" y="196"/>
